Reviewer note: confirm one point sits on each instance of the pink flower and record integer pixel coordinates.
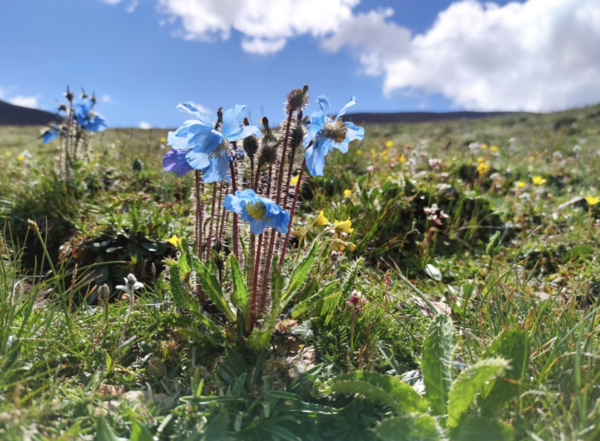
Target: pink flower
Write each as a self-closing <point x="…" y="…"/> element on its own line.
<point x="357" y="299"/>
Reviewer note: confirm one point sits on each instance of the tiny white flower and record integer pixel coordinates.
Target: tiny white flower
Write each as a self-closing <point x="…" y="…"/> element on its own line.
<point x="131" y="284"/>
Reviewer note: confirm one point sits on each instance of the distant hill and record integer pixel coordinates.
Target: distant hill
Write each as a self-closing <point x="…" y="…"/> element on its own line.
<point x="417" y="117"/>
<point x="11" y="115"/>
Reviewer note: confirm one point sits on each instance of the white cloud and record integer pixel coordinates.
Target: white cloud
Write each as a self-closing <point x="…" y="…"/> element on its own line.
<point x="25" y="101"/>
<point x="106" y="98"/>
<point x="112" y="2"/>
<point x="537" y="56"/>
<point x="145" y="125"/>
<point x="132" y="6"/>
<point x="265" y="24"/>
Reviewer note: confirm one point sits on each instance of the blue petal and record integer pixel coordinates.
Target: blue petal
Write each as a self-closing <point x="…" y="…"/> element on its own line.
<point x="232" y="122"/>
<point x="197" y="160"/>
<point x="313" y="128"/>
<point x="203" y="117"/>
<point x="246" y="131"/>
<point x="315" y="157"/>
<point x="175" y="161"/>
<point x="49" y="135"/>
<point x="177" y="142"/>
<point x="350" y="103"/>
<point x="95" y="124"/>
<point x="218" y="170"/>
<point x="206" y="140"/>
<point x="324" y="103"/>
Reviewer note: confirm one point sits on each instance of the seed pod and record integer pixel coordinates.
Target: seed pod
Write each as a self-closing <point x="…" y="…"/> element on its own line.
<point x="297" y="99"/>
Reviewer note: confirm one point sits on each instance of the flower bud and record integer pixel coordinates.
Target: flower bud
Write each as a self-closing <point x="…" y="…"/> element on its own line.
<point x="250" y="145"/>
<point x="69" y="95"/>
<point x="297" y="99"/>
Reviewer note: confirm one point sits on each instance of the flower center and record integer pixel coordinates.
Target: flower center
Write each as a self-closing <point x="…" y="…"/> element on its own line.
<point x="220" y="152"/>
<point x="257" y="210"/>
<point x="335" y="130"/>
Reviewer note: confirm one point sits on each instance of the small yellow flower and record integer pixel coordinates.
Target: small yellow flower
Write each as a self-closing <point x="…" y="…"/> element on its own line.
<point x="592" y="200"/>
<point x="163" y="139"/>
<point x="494" y="148"/>
<point x="389" y="143"/>
<point x="343" y="227"/>
<point x="359" y="152"/>
<point x="389" y="178"/>
<point x="347" y="193"/>
<point x="484" y="146"/>
<point x="480" y="159"/>
<point x="592" y="131"/>
<point x="373" y="153"/>
<point x="538" y="180"/>
<point x="520" y="184"/>
<point x="401" y="158"/>
<point x="294" y="179"/>
<point x="21" y="158"/>
<point x="321" y="220"/>
<point x="175" y="241"/>
<point x="8" y="154"/>
<point x="483" y="168"/>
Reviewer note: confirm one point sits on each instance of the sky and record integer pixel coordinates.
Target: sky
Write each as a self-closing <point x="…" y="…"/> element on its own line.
<point x="143" y="57"/>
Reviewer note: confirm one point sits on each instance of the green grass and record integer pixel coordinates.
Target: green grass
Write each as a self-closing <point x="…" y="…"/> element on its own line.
<point x="59" y="338"/>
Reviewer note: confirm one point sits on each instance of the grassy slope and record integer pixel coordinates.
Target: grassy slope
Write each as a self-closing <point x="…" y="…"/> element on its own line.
<point x="53" y="361"/>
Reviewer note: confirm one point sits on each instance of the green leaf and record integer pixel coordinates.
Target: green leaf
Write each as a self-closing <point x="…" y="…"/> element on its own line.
<point x="239" y="296"/>
<point x="476" y="428"/>
<point x="413" y="427"/>
<point x="139" y="432"/>
<point x="181" y="296"/>
<point x="433" y="272"/>
<point x="312" y="302"/>
<point x="282" y="433"/>
<point x="300" y="273"/>
<point x="468" y="384"/>
<point x="350" y="277"/>
<point x="217" y="428"/>
<point x="385" y="388"/>
<point x="438" y="350"/>
<point x="104" y="432"/>
<point x="261" y="338"/>
<point x="213" y="290"/>
<point x="512" y="345"/>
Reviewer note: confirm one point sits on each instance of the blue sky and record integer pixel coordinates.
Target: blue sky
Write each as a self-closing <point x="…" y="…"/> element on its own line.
<point x="144" y="57"/>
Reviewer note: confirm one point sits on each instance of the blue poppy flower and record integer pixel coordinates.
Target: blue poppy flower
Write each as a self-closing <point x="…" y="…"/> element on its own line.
<point x="258" y="211"/>
<point x="49" y="135"/>
<point x="87" y="118"/>
<point x="328" y="133"/>
<point x="176" y="162"/>
<point x="206" y="148"/>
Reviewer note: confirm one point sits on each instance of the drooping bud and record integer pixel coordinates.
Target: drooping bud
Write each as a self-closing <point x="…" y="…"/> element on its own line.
<point x="250" y="145"/>
<point x="94" y="98"/>
<point x="219" y="122"/>
<point x="83" y="94"/>
<point x="69" y="95"/>
<point x="297" y="99"/>
<point x="268" y="155"/>
<point x="268" y="137"/>
<point x="297" y="133"/>
<point x="137" y="165"/>
<point x="62" y="107"/>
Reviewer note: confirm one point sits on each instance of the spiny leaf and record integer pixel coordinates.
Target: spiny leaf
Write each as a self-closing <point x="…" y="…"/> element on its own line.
<point x="261" y="338"/>
<point x="385" y="388"/>
<point x="217" y="428"/>
<point x="468" y="384"/>
<point x="104" y="432"/>
<point x="312" y="302"/>
<point x="300" y="272"/>
<point x="413" y="427"/>
<point x="512" y="345"/>
<point x="438" y="350"/>
<point x="139" y="432"/>
<point x="213" y="290"/>
<point x="239" y="297"/>
<point x="476" y="428"/>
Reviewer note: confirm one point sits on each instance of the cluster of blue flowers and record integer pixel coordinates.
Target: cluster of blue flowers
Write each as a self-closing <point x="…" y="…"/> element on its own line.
<point x="85" y="116"/>
<point x="210" y="148"/>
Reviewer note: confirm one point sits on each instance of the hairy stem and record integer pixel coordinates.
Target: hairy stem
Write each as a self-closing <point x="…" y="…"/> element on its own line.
<point x="292" y="211"/>
<point x="252" y="317"/>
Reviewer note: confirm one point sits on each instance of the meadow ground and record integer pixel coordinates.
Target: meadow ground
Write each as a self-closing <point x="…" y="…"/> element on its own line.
<point x="489" y="311"/>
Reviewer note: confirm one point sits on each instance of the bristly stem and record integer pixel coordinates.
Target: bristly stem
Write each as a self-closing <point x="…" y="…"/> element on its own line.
<point x="212" y="220"/>
<point x="292" y="211"/>
<point x="282" y="160"/>
<point x="252" y="318"/>
<point x="235" y="233"/>
<point x="199" y="213"/>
